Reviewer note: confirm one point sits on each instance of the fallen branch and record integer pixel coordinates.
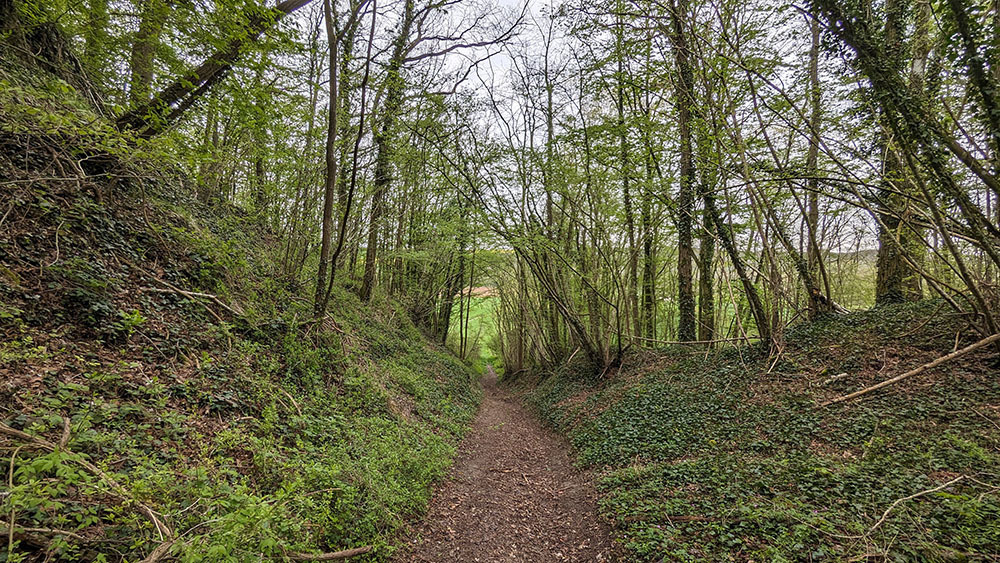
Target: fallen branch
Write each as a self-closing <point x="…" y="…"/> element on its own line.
<point x="160" y="552"/>
<point x="184" y="294"/>
<point x="192" y="294"/>
<point x="930" y="365"/>
<point x="330" y="556"/>
<point x="897" y="502"/>
<point x="292" y="399"/>
<point x="833" y="378"/>
<point x="64" y="439"/>
<point x="6" y="528"/>
<point x="162" y="529"/>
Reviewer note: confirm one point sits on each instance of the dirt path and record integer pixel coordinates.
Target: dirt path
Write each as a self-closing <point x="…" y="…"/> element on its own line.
<point x="513" y="495"/>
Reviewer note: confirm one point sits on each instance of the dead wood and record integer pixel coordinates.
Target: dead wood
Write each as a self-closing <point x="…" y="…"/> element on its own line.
<point x="930" y="365"/>
<point x="332" y="556"/>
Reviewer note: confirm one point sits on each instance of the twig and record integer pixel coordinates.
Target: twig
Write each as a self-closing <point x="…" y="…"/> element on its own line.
<point x="897" y="502"/>
<point x="693" y="342"/>
<point x="214" y="298"/>
<point x="292" y="399"/>
<point x="946" y="358"/>
<point x="160" y="551"/>
<point x="4" y="218"/>
<point x="64" y="439"/>
<point x="53" y="531"/>
<point x="10" y="485"/>
<point x="833" y="378"/>
<point x="189" y="295"/>
<point x="59" y="228"/>
<point x="988" y="419"/>
<point x="923" y="324"/>
<point x="330" y="556"/>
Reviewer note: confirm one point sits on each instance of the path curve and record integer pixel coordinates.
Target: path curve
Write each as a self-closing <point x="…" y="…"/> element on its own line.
<point x="513" y="495"/>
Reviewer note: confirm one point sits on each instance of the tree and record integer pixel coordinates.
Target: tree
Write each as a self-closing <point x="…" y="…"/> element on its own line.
<point x="686" y="324"/>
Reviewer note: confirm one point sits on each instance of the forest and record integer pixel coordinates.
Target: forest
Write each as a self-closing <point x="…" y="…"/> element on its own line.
<point x="492" y="280"/>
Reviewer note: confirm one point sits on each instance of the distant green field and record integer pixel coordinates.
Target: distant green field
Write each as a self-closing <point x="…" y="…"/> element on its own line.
<point x="481" y="330"/>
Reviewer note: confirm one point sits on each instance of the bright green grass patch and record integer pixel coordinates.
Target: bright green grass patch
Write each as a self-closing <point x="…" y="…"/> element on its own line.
<point x="481" y="332"/>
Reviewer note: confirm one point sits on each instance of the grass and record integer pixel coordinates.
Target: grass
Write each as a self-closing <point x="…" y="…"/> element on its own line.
<point x="481" y="331"/>
<point x="712" y="458"/>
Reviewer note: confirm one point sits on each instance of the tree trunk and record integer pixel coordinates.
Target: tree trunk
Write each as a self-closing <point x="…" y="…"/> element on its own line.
<point x="813" y="251"/>
<point x="896" y="280"/>
<point x="152" y="18"/>
<point x="383" y="145"/>
<point x="685" y="200"/>
<point x="626" y="172"/>
<point x="648" y="259"/>
<point x="152" y="116"/>
<point x="95" y="35"/>
<point x="330" y="185"/>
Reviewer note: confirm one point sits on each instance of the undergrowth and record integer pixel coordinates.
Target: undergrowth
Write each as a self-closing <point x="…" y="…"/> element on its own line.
<point x="248" y="432"/>
<point x="724" y="455"/>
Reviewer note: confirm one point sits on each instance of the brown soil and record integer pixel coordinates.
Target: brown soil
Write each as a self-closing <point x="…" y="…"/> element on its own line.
<point x="513" y="495"/>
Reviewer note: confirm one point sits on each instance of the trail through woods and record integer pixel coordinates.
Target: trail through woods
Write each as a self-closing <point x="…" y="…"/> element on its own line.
<point x="513" y="495"/>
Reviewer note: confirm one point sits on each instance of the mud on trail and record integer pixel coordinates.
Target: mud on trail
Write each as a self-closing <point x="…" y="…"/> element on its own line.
<point x="512" y="495"/>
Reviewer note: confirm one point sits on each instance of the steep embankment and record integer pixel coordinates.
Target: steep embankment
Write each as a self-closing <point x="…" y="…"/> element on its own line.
<point x="724" y="456"/>
<point x="159" y="391"/>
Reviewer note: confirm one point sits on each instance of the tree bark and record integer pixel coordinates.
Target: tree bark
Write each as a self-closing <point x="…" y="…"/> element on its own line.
<point x="687" y="320"/>
<point x="395" y="86"/>
<point x="330" y="185"/>
<point x="896" y="279"/>
<point x="151" y="20"/>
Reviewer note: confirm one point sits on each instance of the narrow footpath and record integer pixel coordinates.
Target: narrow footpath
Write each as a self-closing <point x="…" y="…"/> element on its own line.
<point x="513" y="495"/>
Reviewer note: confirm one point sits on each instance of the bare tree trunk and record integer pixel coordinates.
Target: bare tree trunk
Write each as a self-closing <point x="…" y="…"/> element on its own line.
<point x="753" y="297"/>
<point x="648" y="264"/>
<point x="813" y="252"/>
<point x="626" y="173"/>
<point x="208" y="177"/>
<point x="330" y="187"/>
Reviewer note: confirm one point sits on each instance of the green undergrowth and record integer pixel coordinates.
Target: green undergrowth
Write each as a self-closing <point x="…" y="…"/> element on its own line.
<point x="250" y="433"/>
<point x="724" y="455"/>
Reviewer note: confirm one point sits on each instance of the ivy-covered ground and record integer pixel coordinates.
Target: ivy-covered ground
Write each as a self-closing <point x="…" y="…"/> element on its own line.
<point x="725" y="456"/>
<point x="142" y="422"/>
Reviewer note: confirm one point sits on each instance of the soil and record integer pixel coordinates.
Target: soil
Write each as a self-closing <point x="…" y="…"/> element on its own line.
<point x="513" y="495"/>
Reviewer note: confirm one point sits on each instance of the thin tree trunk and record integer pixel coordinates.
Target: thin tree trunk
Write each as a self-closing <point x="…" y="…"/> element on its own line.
<point x="813" y="251"/>
<point x="330" y="186"/>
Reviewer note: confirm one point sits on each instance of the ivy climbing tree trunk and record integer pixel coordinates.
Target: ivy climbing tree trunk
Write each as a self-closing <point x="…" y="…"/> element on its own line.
<point x="383" y="141"/>
<point x="152" y="18"/>
<point x="899" y="246"/>
<point x="686" y="324"/>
